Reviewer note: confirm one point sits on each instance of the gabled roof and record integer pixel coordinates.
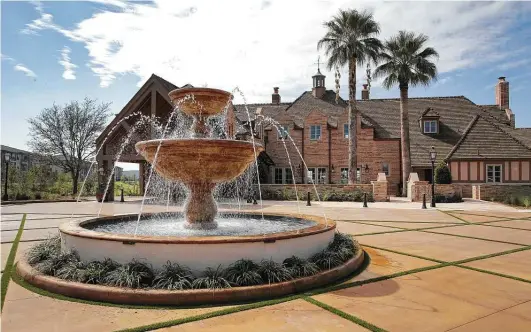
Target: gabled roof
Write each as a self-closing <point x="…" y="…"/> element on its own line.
<point x="486" y="139"/>
<point x="167" y="84"/>
<point x="429" y="112"/>
<point x="13" y="150"/>
<point x="266" y="110"/>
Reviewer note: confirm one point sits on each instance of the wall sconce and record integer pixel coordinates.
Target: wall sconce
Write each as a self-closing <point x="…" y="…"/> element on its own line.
<point x="299" y="167"/>
<point x="333" y="168"/>
<point x="366" y="168"/>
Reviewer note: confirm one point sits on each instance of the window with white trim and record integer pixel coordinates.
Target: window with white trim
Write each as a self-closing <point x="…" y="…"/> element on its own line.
<point x="278" y="175"/>
<point x="358" y="175"/>
<point x="288" y="176"/>
<point x="345" y="130"/>
<point x="494" y="173"/>
<point x="430" y="126"/>
<point x="315" y="132"/>
<point x="385" y="168"/>
<point x="344" y="175"/>
<point x="317" y="175"/>
<point x="283" y="131"/>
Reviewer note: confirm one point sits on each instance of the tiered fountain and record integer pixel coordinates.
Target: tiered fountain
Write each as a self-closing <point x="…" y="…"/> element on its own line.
<point x="198" y="238"/>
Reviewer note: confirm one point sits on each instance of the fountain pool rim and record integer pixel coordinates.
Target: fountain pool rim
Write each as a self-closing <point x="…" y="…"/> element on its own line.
<point x="75" y="228"/>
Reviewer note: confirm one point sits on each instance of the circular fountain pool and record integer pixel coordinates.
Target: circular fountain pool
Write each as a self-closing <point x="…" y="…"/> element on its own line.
<point x="174" y="225"/>
<point x="162" y="237"/>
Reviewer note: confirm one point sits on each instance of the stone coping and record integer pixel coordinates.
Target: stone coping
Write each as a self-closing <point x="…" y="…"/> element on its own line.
<point x="74" y="228"/>
<point x="119" y="295"/>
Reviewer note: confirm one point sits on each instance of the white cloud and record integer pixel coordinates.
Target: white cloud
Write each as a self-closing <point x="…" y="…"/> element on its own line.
<point x="28" y="72"/>
<point x="69" y="73"/>
<point x="259" y="44"/>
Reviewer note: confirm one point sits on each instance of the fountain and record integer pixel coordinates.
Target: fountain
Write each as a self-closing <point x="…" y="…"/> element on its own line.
<point x="199" y="237"/>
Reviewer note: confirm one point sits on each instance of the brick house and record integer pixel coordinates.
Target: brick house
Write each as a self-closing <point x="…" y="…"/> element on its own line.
<point x="479" y="142"/>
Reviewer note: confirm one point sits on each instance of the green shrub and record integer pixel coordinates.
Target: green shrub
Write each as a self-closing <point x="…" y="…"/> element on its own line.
<point x="272" y="271"/>
<point x="514" y="200"/>
<point x="526" y="201"/>
<point x="133" y="275"/>
<point x="73" y="271"/>
<point x="44" y="250"/>
<point x="54" y="263"/>
<point x="455" y="198"/>
<point x="174" y="276"/>
<point x="96" y="272"/>
<point x="343" y="245"/>
<point x="212" y="279"/>
<point x="300" y="267"/>
<point x="244" y="272"/>
<point x="443" y="174"/>
<point x="326" y="259"/>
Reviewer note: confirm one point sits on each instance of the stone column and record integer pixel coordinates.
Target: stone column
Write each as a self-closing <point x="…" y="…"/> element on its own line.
<point x="379" y="188"/>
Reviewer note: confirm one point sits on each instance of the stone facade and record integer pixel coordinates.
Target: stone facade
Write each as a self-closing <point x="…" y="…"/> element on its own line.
<point x="418" y="188"/>
<point x="493" y="191"/>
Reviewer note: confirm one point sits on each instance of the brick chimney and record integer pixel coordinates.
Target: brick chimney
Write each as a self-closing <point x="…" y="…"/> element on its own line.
<point x="365" y="92"/>
<point x="502" y="99"/>
<point x="502" y="93"/>
<point x="275" y="97"/>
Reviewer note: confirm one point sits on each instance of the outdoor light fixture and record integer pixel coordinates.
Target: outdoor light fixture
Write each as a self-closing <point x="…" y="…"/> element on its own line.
<point x="5" y="197"/>
<point x="433" y="157"/>
<point x="366" y="168"/>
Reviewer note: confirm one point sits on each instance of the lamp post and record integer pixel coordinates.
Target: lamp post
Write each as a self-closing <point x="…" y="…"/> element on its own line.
<point x="433" y="156"/>
<point x="5" y="197"/>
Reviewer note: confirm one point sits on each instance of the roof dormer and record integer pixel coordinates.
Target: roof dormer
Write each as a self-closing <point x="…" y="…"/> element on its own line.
<point x="429" y="122"/>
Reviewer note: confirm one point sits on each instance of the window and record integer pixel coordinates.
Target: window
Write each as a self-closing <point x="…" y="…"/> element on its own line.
<point x="345" y="130"/>
<point x="358" y="175"/>
<point x="278" y="175"/>
<point x="494" y="173"/>
<point x="430" y="126"/>
<point x="385" y="168"/>
<point x="283" y="132"/>
<point x="344" y="175"/>
<point x="288" y="176"/>
<point x="315" y="132"/>
<point x="317" y="175"/>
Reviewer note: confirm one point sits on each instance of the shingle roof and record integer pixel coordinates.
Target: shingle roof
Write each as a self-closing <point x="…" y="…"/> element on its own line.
<point x="455" y="115"/>
<point x="486" y="139"/>
<point x="13" y="150"/>
<point x="167" y="84"/>
<point x="270" y="110"/>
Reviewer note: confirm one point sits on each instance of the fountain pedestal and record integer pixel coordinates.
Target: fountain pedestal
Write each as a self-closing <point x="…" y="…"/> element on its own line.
<point x="200" y="208"/>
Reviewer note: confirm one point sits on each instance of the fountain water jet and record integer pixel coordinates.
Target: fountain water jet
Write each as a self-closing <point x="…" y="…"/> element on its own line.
<point x="200" y="163"/>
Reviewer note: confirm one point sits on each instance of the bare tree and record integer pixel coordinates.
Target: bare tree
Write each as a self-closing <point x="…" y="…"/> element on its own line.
<point x="66" y="135"/>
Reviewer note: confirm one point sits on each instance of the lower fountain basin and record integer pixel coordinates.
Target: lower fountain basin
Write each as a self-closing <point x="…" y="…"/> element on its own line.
<point x="244" y="235"/>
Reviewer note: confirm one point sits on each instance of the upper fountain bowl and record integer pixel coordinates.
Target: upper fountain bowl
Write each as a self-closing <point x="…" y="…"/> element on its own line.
<point x="206" y="101"/>
<point x="199" y="160"/>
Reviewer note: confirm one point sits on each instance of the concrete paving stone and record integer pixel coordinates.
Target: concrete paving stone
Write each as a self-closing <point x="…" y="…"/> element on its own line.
<point x="412" y="225"/>
<point x="517" y="264"/>
<point x="29" y="235"/>
<point x="27" y="311"/>
<point x="297" y="315"/>
<point x="514" y="319"/>
<point x="435" y="246"/>
<point x="384" y="263"/>
<point x="11" y="217"/>
<point x="496" y="214"/>
<point x="435" y="300"/>
<point x="22" y="248"/>
<point x="355" y="228"/>
<point x="523" y="224"/>
<point x="490" y="233"/>
<point x="38" y="223"/>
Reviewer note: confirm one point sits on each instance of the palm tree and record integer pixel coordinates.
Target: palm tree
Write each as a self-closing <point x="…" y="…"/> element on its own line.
<point x="351" y="40"/>
<point x="406" y="62"/>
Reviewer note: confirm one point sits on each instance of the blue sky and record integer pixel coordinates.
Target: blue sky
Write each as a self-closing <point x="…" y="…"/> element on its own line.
<point x="54" y="52"/>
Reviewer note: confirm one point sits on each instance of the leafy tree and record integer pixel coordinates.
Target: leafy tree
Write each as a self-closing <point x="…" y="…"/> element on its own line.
<point x="65" y="135"/>
<point x="351" y="40"/>
<point x="443" y="174"/>
<point x="406" y="62"/>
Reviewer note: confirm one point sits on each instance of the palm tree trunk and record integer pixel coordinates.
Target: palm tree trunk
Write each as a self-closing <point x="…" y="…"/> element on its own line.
<point x="404" y="136"/>
<point x="352" y="118"/>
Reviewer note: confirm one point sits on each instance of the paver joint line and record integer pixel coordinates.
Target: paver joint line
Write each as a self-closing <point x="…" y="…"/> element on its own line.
<point x="345" y="315"/>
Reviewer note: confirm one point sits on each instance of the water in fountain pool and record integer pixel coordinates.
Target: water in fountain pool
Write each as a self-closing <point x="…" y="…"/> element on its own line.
<point x="228" y="225"/>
